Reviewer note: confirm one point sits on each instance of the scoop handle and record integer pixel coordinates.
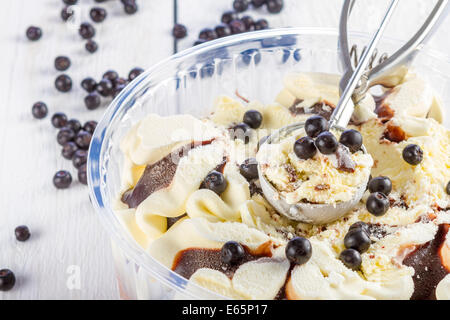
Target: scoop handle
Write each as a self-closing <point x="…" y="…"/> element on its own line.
<point x="344" y="109"/>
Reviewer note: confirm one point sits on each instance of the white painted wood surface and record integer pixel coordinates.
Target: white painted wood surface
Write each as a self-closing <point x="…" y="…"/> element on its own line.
<point x="66" y="235"/>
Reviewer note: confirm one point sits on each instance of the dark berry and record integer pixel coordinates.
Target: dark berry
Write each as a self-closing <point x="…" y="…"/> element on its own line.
<point x="232" y="252"/>
<point x="380" y="184"/>
<point x="248" y="22"/>
<point x="98" y="14"/>
<point x="216" y="182"/>
<point x="105" y="87"/>
<point x="352" y="139"/>
<point x="22" y="233"/>
<point x="79" y="158"/>
<point x="89" y="85"/>
<point x="249" y="169"/>
<point x="377" y="204"/>
<point x="120" y="82"/>
<point x="92" y="101"/>
<point x="447" y="189"/>
<point x="7" y="280"/>
<point x="69" y="150"/>
<point x="199" y="41"/>
<point x="34" y="33"/>
<point x="83" y="139"/>
<point x="241" y="131"/>
<point x="237" y="26"/>
<point x="66" y="13"/>
<point x="274" y="6"/>
<point x="62" y="63"/>
<point x="261" y="24"/>
<point x="39" y="110"/>
<point x="59" y="120"/>
<point x="90" y="126"/>
<point x="222" y="30"/>
<point x="315" y="125"/>
<point x="357" y="239"/>
<point x="207" y="34"/>
<point x="179" y="31"/>
<point x="62" y="179"/>
<point x="118" y="89"/>
<point x="74" y="124"/>
<point x="327" y="143"/>
<point x="304" y="148"/>
<point x="111" y="75"/>
<point x="86" y="30"/>
<point x="63" y="83"/>
<point x="229" y="16"/>
<point x="258" y="3"/>
<point x="253" y="118"/>
<point x="298" y="250"/>
<point x="351" y="259"/>
<point x="134" y="73"/>
<point x="70" y="2"/>
<point x="82" y="174"/>
<point x="360" y="225"/>
<point x="65" y="135"/>
<point x="130" y="7"/>
<point x="413" y="154"/>
<point x="91" y="46"/>
<point x="240" y="5"/>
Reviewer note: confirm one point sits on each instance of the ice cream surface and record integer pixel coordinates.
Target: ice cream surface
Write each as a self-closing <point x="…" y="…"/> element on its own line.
<point x="174" y="209"/>
<point x="321" y="179"/>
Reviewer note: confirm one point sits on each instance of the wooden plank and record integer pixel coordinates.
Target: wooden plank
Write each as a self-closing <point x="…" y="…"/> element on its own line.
<point x="64" y="226"/>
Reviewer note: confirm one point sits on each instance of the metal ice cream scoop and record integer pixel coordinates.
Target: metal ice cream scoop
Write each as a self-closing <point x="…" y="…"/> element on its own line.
<point x="353" y="86"/>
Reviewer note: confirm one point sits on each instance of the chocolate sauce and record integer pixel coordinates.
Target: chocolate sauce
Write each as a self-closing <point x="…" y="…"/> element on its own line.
<point x="255" y="189"/>
<point x="188" y="261"/>
<point x="172" y="221"/>
<point x="344" y="159"/>
<point x="158" y="175"/>
<point x="394" y="133"/>
<point x="428" y="266"/>
<point x="324" y="109"/>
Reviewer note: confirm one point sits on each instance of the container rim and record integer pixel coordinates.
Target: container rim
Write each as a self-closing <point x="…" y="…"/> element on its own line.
<point x="105" y="126"/>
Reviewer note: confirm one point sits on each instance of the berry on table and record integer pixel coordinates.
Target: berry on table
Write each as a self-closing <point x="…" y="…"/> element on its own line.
<point x="62" y="63"/>
<point x="39" y="110"/>
<point x="34" y="33"/>
<point x="240" y="5"/>
<point x="86" y="30"/>
<point x="62" y="179"/>
<point x="91" y="46"/>
<point x="22" y="233"/>
<point x="82" y="175"/>
<point x="69" y="150"/>
<point x="274" y="6"/>
<point x="7" y="280"/>
<point x="134" y="73"/>
<point x="63" y="83"/>
<point x="89" y="84"/>
<point x="179" y="31"/>
<point x="59" y="120"/>
<point x="65" y="135"/>
<point x="79" y="158"/>
<point x="98" y="14"/>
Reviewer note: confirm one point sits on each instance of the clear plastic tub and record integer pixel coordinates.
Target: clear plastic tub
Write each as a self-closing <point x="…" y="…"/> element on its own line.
<point x="251" y="64"/>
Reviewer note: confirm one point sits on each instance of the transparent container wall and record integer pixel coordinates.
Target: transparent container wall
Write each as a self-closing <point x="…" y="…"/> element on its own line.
<point x="190" y="83"/>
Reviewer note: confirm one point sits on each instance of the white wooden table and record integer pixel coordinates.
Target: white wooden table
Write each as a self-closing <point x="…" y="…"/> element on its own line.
<point x="67" y="238"/>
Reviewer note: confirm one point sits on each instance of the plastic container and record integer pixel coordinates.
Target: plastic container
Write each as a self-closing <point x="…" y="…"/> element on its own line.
<point x="251" y="64"/>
